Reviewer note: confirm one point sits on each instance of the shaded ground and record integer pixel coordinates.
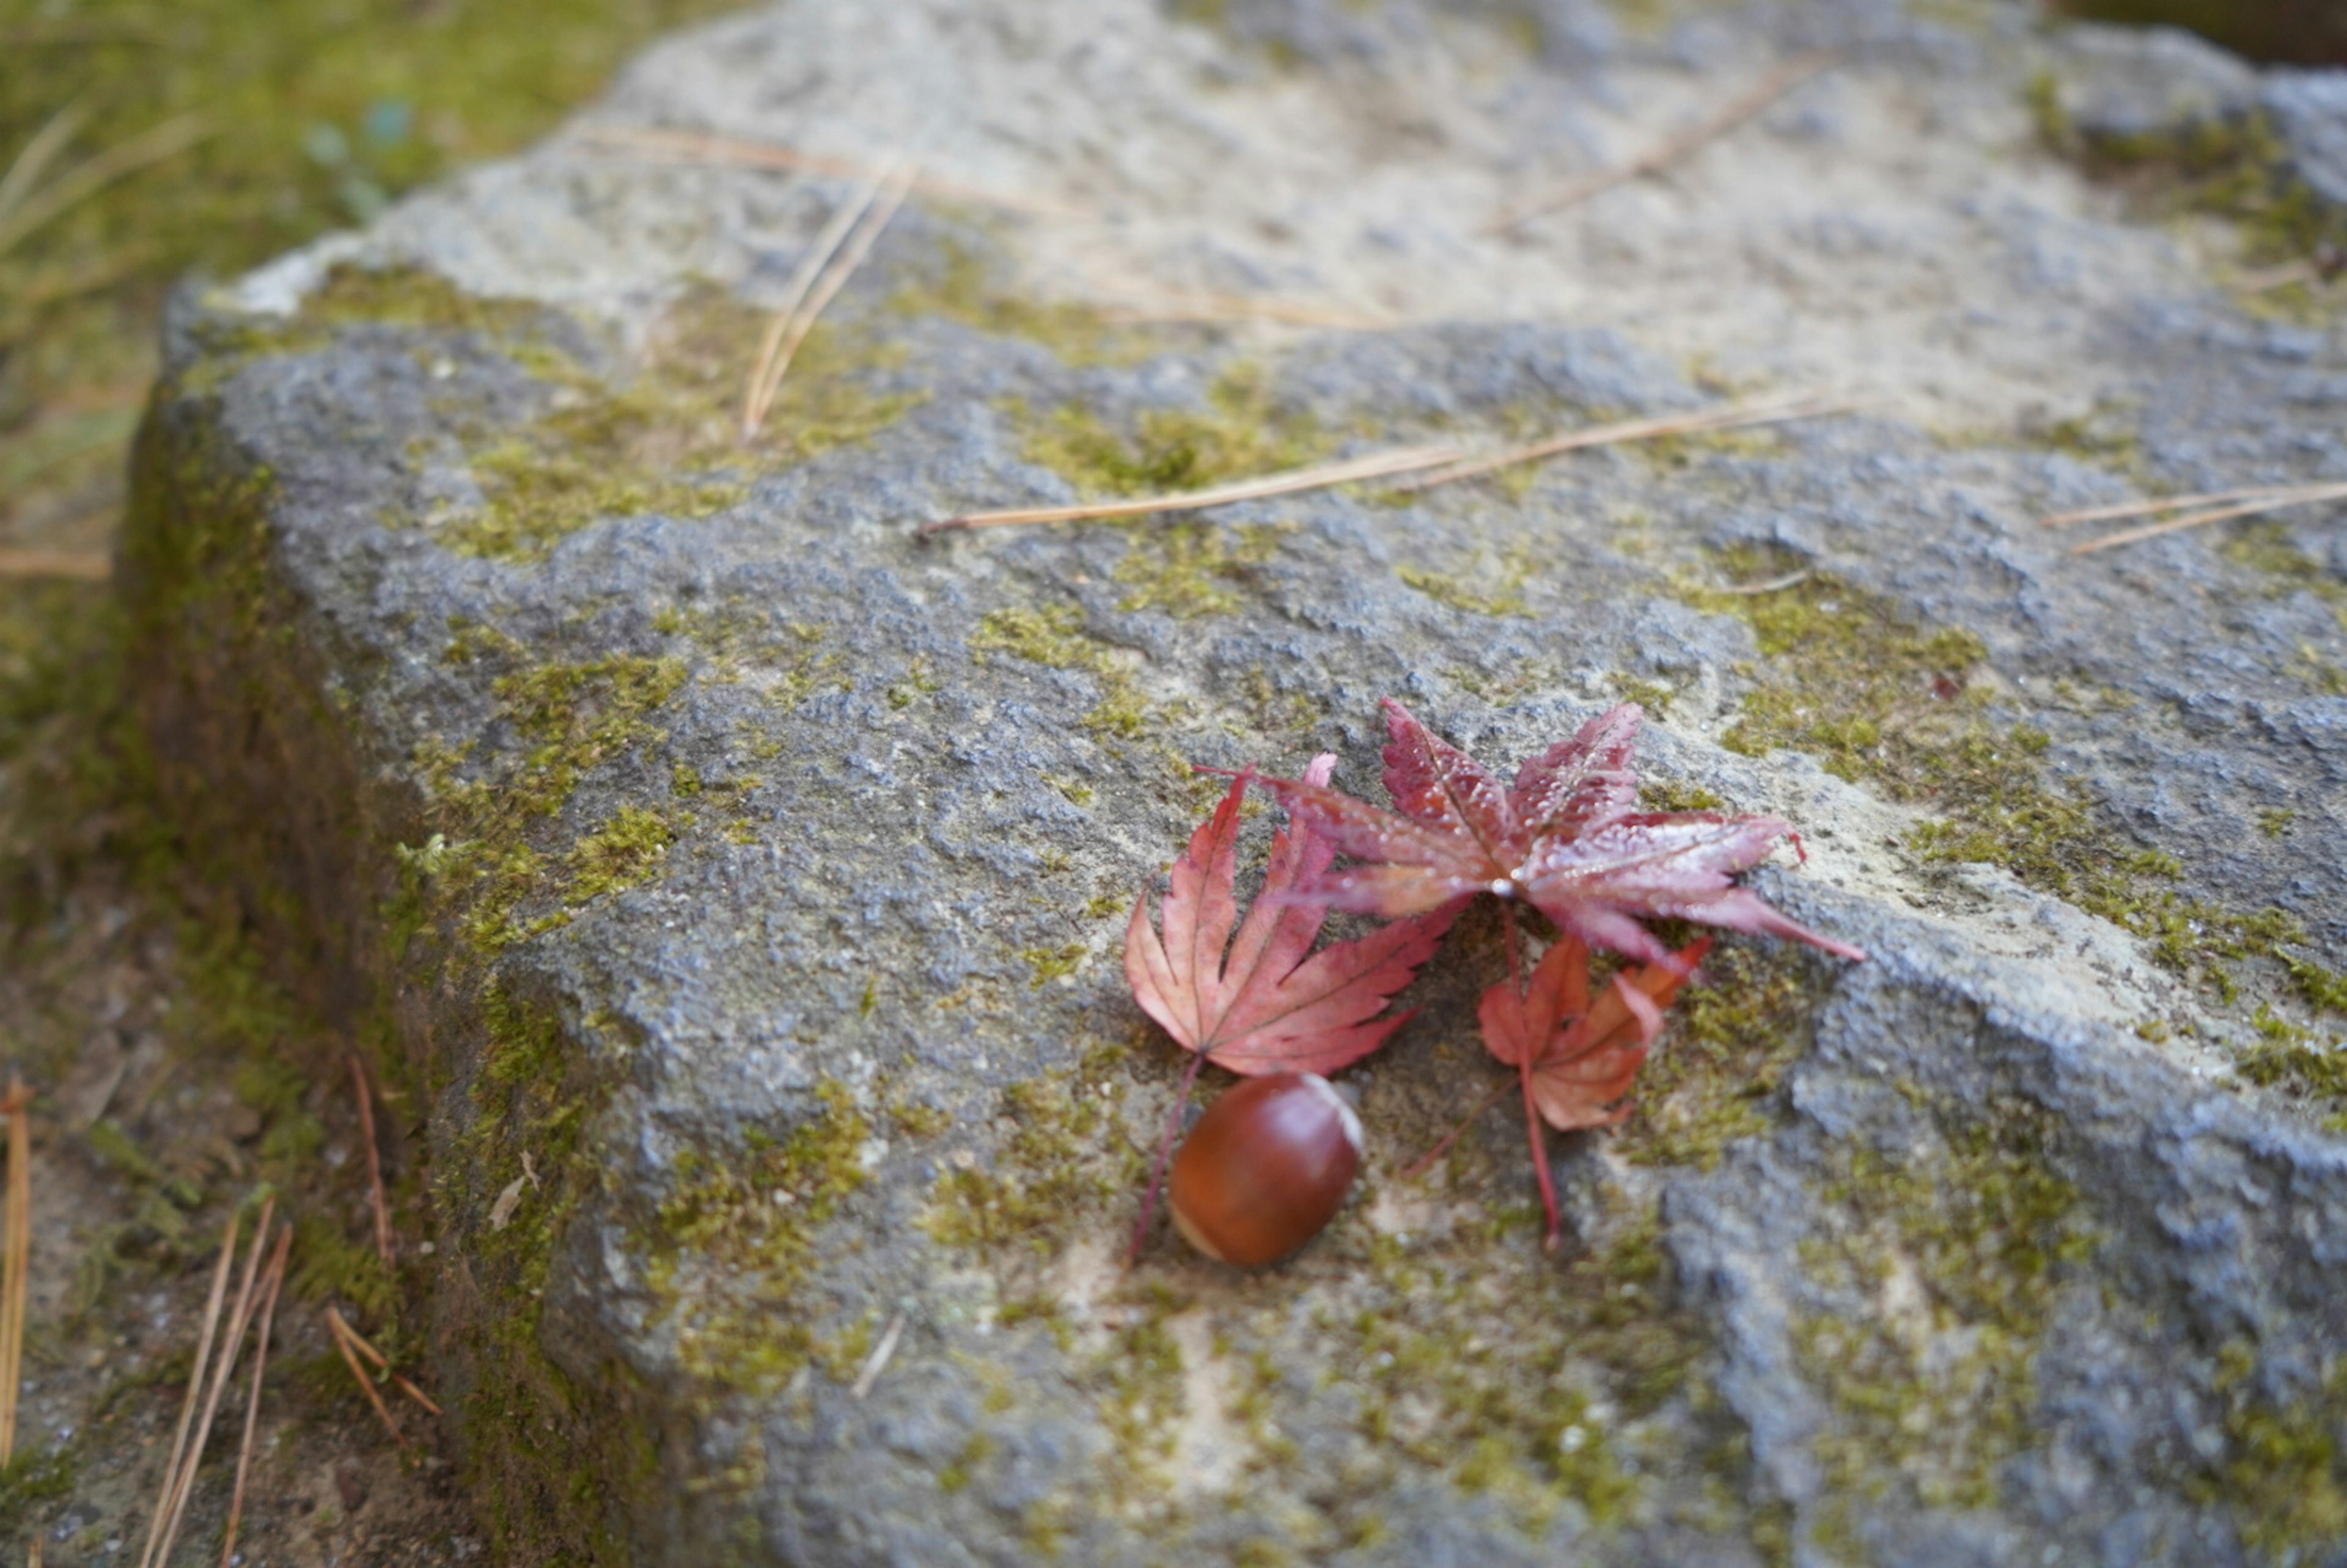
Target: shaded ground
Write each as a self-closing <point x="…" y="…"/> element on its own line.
<point x="153" y="141"/>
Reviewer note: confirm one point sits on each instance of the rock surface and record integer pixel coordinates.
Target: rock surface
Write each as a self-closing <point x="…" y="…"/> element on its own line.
<point x="739" y="879"/>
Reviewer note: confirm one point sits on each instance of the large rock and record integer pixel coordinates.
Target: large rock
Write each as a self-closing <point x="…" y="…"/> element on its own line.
<point x="740" y="879"/>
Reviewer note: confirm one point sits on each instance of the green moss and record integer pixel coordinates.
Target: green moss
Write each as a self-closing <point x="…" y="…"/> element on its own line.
<point x="2236" y="167"/>
<point x="35" y="1476"/>
<point x="1056" y="1167"/>
<point x="1882" y="700"/>
<point x="1238" y="434"/>
<point x="1676" y="794"/>
<point x="1145" y="1401"/>
<point x="624" y="851"/>
<point x="1192" y="569"/>
<point x="1056" y="637"/>
<point x="736" y="1245"/>
<point x="1748" y="1016"/>
<point x="1484" y="589"/>
<point x="2282" y="1472"/>
<point x="961" y="285"/>
<point x="1931" y="1396"/>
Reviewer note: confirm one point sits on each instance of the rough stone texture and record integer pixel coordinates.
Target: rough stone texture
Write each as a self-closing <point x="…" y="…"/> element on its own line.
<point x="759" y="871"/>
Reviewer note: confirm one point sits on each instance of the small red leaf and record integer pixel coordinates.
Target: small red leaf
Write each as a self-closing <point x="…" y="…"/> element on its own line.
<point x="1563" y="839"/>
<point x="1263" y="1001"/>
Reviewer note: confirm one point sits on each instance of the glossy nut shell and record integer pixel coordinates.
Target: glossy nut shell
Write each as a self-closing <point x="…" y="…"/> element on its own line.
<point x="1266" y="1168"/>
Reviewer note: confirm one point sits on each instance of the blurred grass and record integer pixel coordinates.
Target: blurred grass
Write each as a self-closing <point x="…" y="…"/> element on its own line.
<point x="2292" y="32"/>
<point x="233" y="129"/>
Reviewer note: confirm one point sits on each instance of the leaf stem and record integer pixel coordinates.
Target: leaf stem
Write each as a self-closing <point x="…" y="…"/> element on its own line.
<point x="1164" y="1155"/>
<point x="1533" y="1127"/>
<point x="1426" y="1162"/>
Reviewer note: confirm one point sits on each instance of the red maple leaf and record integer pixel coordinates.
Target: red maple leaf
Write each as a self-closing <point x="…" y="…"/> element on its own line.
<point x="1564" y="839"/>
<point x="1263" y="1002"/>
<point x="1575" y="1059"/>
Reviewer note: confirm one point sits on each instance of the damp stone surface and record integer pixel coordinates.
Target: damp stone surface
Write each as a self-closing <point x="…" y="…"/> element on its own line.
<point x="733" y="882"/>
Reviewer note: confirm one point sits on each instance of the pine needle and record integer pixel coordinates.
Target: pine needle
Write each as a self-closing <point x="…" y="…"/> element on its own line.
<point x="374" y="1164"/>
<point x="878" y="210"/>
<point x="734" y="152"/>
<point x="1320" y="476"/>
<point x="195" y="1392"/>
<point x="1772" y="87"/>
<point x="91" y="175"/>
<point x="344" y="1335"/>
<point x="275" y="1280"/>
<point x="1778" y="412"/>
<point x="87" y="566"/>
<point x="360" y="1343"/>
<point x="16" y="1262"/>
<point x="877" y="1362"/>
<point x="2257" y="503"/>
<point x="759" y="396"/>
<point x="2119" y="509"/>
<point x="224" y="1369"/>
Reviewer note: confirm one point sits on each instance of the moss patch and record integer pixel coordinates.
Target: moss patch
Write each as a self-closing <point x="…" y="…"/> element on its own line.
<point x="735" y="1245"/>
<point x="1057" y="637"/>
<point x="1884" y="701"/>
<point x="1751" y="1013"/>
<point x="1236" y="433"/>
<point x="1945" y="1260"/>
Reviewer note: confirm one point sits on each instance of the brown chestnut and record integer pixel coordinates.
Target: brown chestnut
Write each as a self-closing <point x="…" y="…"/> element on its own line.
<point x="1266" y="1168"/>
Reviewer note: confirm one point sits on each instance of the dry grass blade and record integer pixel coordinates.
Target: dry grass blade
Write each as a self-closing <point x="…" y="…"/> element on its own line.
<point x="1779" y="412"/>
<point x="344" y="1335"/>
<point x="877" y="1362"/>
<point x="84" y="566"/>
<point x="765" y="376"/>
<point x="273" y="1282"/>
<point x="374" y="1164"/>
<point x="2307" y="496"/>
<point x="195" y="1391"/>
<point x="1321" y="477"/>
<point x="892" y="194"/>
<point x="16" y="1263"/>
<point x="1772" y="87"/>
<point x="239" y="1319"/>
<point x="2119" y="509"/>
<point x="37" y="155"/>
<point x="91" y="175"/>
<point x="734" y="152"/>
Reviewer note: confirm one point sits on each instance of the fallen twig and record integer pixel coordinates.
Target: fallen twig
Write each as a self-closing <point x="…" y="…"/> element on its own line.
<point x="734" y="152"/>
<point x="16" y="1262"/>
<point x="269" y="1286"/>
<point x="785" y="332"/>
<point x="87" y="566"/>
<point x="2270" y="501"/>
<point x="877" y="1362"/>
<point x="374" y="1163"/>
<point x="1321" y="477"/>
<point x="1772" y="87"/>
<point x="1806" y="406"/>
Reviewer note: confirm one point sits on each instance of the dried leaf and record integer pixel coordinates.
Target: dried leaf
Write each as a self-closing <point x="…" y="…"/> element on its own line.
<point x="1575" y="1058"/>
<point x="1263" y="1001"/>
<point x="1563" y="839"/>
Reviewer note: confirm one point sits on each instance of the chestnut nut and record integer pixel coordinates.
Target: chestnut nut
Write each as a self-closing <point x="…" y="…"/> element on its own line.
<point x="1266" y="1168"/>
